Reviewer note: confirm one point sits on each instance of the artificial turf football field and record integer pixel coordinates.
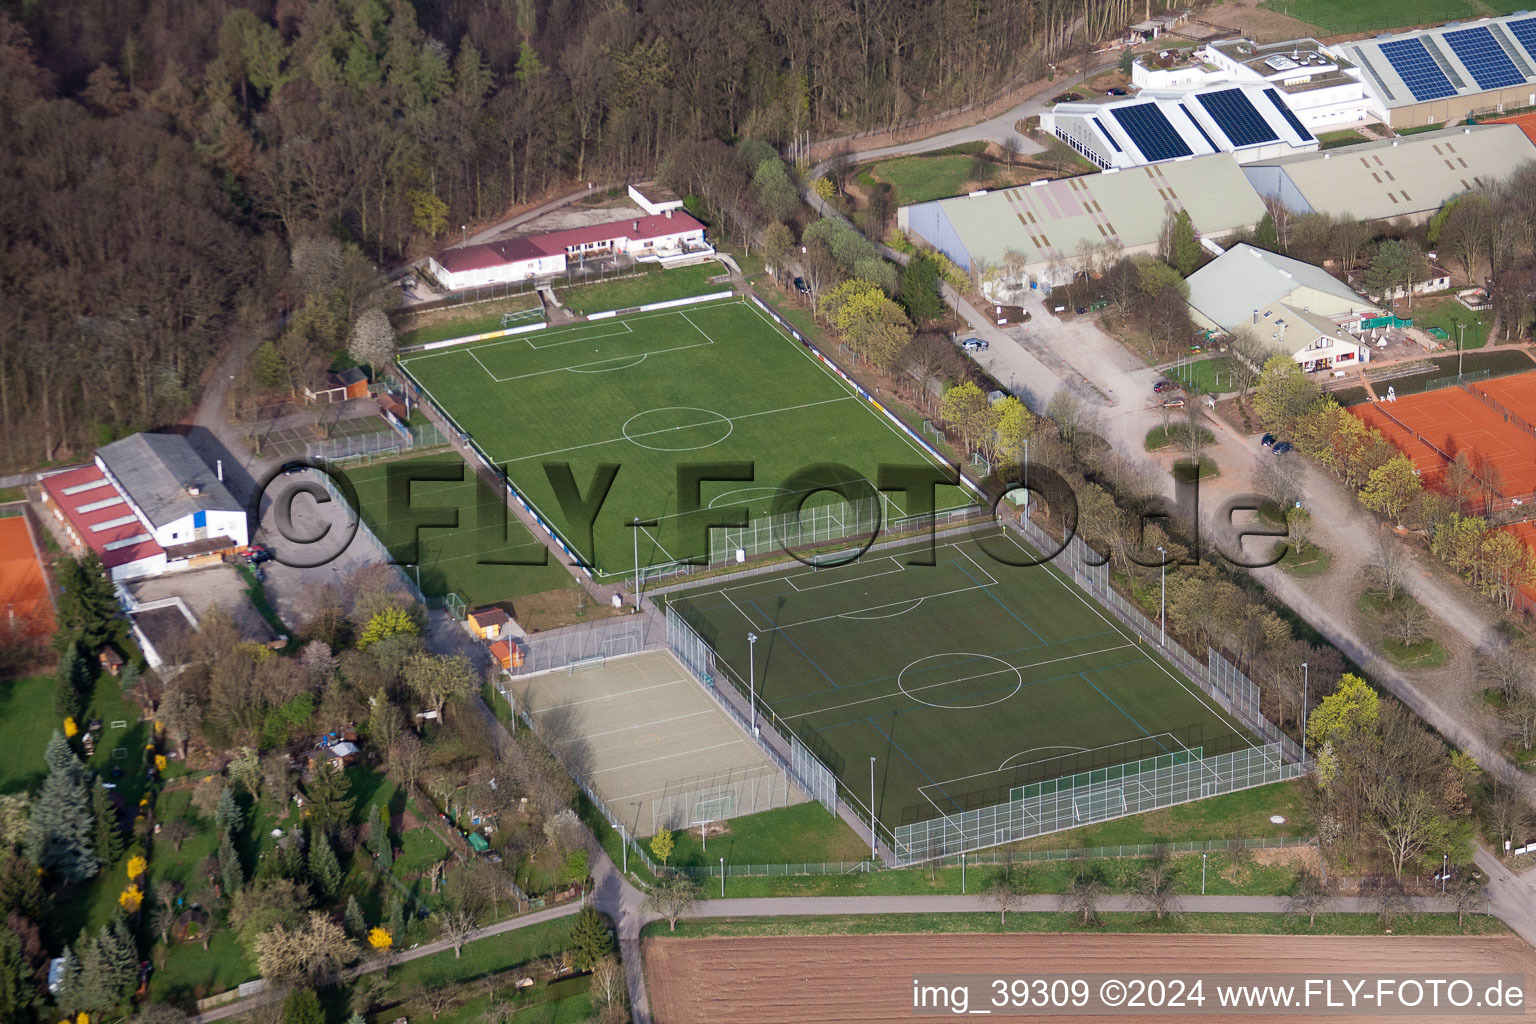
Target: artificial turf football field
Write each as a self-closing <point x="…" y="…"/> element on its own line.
<point x="452" y="532"/>
<point x="709" y="384"/>
<point x="963" y="678"/>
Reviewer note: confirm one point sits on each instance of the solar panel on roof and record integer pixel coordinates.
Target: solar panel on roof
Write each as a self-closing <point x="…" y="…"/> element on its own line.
<point x="1417" y="69"/>
<point x="1237" y="118"/>
<point x="1108" y="136"/>
<point x="1490" y="66"/>
<point x="1203" y="133"/>
<point x="1151" y="131"/>
<point x="1525" y="31"/>
<point x="1289" y="115"/>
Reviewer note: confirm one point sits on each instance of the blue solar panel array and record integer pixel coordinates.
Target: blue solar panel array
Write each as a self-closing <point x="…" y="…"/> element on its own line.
<point x="1289" y="115"/>
<point x="1149" y="128"/>
<point x="1108" y="136"/>
<point x="1203" y="133"/>
<point x="1525" y="31"/>
<point x="1417" y="69"/>
<point x="1237" y="118"/>
<point x="1489" y="64"/>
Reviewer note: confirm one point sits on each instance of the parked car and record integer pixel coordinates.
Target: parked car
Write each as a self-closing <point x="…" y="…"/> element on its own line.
<point x="1165" y="385"/>
<point x="1081" y="310"/>
<point x="1282" y="447"/>
<point x="974" y="344"/>
<point x="801" y="286"/>
<point x="295" y="468"/>
<point x="1174" y="403"/>
<point x="1116" y="92"/>
<point x="1267" y="440"/>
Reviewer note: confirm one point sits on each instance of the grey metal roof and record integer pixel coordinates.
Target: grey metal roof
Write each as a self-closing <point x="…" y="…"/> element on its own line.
<point x="1245" y="278"/>
<point x="1047" y="220"/>
<point x="156" y="471"/>
<point x="1408" y="175"/>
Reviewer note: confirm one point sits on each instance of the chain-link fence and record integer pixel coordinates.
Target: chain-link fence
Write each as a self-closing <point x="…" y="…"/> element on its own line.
<point x="370" y="537"/>
<point x="730" y="793"/>
<point x="1232" y="687"/>
<point x="804" y="768"/>
<point x="605" y="638"/>
<point x="1057" y="804"/>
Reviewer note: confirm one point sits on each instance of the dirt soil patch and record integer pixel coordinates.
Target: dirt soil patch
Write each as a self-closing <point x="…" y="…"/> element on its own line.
<point x="555" y="608"/>
<point x="869" y="978"/>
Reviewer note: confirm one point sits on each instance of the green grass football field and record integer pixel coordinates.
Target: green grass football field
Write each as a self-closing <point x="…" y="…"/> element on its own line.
<point x="962" y="679"/>
<point x="710" y="384"/>
<point x="442" y="520"/>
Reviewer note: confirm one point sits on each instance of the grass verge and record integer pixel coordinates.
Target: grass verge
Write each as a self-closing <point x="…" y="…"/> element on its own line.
<point x="651" y="285"/>
<point x="798" y="834"/>
<point x="1206" y="924"/>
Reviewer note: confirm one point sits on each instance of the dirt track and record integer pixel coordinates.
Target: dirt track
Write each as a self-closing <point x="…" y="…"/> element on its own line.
<point x="829" y="978"/>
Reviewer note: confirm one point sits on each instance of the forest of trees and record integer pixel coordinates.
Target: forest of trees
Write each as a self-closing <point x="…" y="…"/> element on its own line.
<point x="161" y="160"/>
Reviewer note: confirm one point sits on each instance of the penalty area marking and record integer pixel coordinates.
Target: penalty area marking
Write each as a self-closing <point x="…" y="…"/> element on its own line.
<point x="912" y="607"/>
<point x="1036" y="750"/>
<point x="1006" y="668"/>
<point x="716" y="418"/>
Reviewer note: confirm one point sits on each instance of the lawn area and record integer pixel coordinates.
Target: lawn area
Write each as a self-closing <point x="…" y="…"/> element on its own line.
<point x="1223" y="878"/>
<point x="653" y="284"/>
<point x="479" y="318"/>
<point x="1204" y="376"/>
<point x="1346" y="137"/>
<point x="8" y="494"/>
<point x="1241" y="815"/>
<point x="959" y="169"/>
<point x="1499" y="362"/>
<point x="487" y="955"/>
<point x="798" y="834"/>
<point x="1019" y="921"/>
<point x="1315" y="562"/>
<point x="26" y="722"/>
<point x="452" y="532"/>
<point x="561" y="1002"/>
<point x="1447" y="314"/>
<point x="1205" y="469"/>
<point x="420" y="848"/>
<point x="1159" y="438"/>
<point x="1375" y="15"/>
<point x="1377" y="615"/>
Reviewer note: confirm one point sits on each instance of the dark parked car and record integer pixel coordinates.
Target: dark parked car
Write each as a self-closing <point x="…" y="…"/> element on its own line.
<point x="1164" y="385"/>
<point x="1117" y="92"/>
<point x="1283" y="447"/>
<point x="1081" y="310"/>
<point x="801" y="286"/>
<point x="1267" y="440"/>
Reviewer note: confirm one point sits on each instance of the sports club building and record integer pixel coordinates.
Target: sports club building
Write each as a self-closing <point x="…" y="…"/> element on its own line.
<point x="665" y="237"/>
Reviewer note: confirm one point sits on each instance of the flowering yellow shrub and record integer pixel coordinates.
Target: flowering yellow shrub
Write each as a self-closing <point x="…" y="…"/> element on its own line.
<point x="380" y="939"/>
<point x="160" y="762"/>
<point x="136" y="865"/>
<point x="131" y="899"/>
<point x="71" y="730"/>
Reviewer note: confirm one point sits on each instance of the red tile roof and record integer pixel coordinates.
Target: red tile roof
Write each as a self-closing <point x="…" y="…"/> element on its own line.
<point x="516" y="250"/>
<point x="640" y="229"/>
<point x="91" y="505"/>
<point x="490" y="254"/>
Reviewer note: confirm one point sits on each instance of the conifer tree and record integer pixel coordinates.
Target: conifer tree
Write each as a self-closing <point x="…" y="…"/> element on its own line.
<point x="324" y="871"/>
<point x="60" y="831"/>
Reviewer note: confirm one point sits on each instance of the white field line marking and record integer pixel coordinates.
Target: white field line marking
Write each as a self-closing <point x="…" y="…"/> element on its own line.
<point x="909" y="690"/>
<point x="915" y="604"/>
<point x="1201" y="697"/>
<point x="685" y="752"/>
<point x="668" y="430"/>
<point x="710" y="713"/>
<point x="587" y="367"/>
<point x="850" y="579"/>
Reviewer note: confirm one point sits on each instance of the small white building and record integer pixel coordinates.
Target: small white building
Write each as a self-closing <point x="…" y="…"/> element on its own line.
<point x="654" y="199"/>
<point x="1292" y="307"/>
<point x="148" y="504"/>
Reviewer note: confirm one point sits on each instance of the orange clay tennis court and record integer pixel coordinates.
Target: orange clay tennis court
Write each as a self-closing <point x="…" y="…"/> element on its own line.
<point x="23" y="588"/>
<point x="1435" y="425"/>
